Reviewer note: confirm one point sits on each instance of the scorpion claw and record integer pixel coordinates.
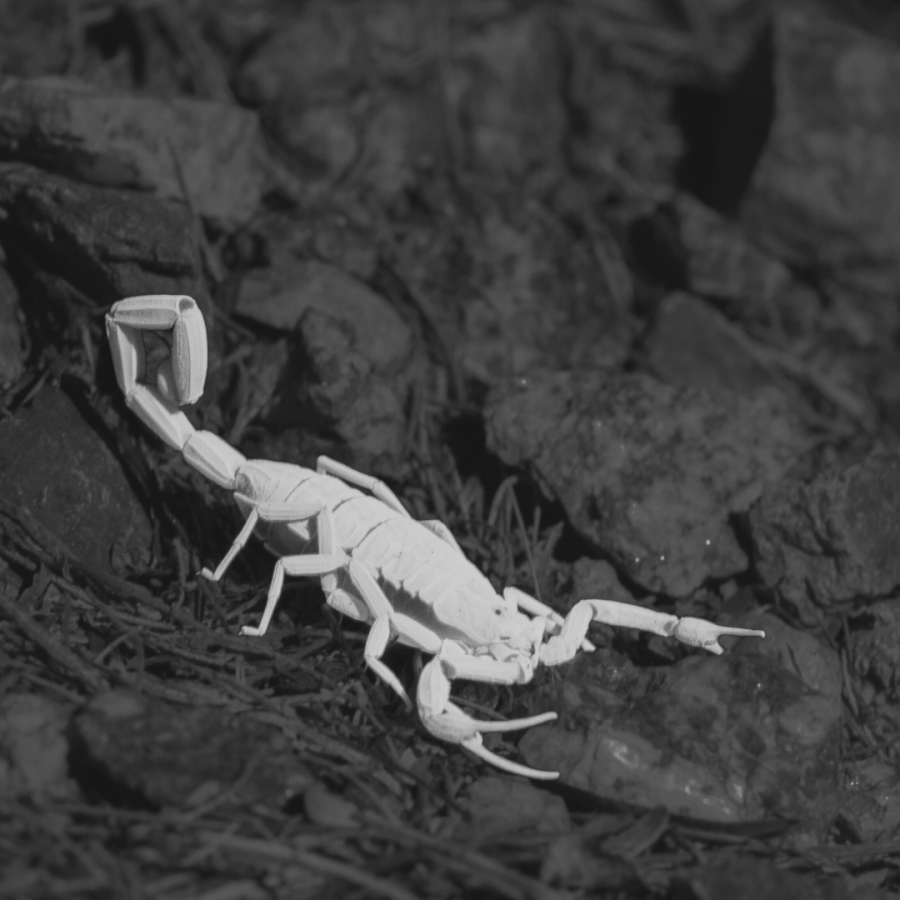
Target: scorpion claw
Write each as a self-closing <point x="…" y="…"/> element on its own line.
<point x="474" y="745"/>
<point x="700" y="633"/>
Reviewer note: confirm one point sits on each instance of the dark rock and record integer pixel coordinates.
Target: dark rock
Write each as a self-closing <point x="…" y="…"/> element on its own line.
<point x="402" y="143"/>
<point x="12" y="332"/>
<point x="315" y="55"/>
<point x="693" y="345"/>
<point x="535" y="302"/>
<point x="715" y="260"/>
<point x="596" y="579"/>
<point x="210" y="151"/>
<point x="623" y="114"/>
<point x="342" y="236"/>
<point x="796" y="651"/>
<point x="832" y="540"/>
<point x="33" y="749"/>
<point x="739" y="877"/>
<point x="108" y="244"/>
<point x="504" y="82"/>
<point x="649" y="474"/>
<point x="135" y="750"/>
<point x="57" y="467"/>
<point x="498" y="805"/>
<point x="825" y="195"/>
<point x="278" y="297"/>
<point x="729" y="739"/>
<point x="35" y="39"/>
<point x="874" y="655"/>
<point x="330" y="384"/>
<point x="508" y="289"/>
<point x="334" y="82"/>
<point x="871" y="799"/>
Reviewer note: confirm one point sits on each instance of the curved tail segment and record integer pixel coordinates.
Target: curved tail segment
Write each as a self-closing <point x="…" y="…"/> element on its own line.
<point x="179" y="379"/>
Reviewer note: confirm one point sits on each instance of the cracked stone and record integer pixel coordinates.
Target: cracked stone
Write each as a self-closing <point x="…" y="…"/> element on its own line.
<point x="729" y="739"/>
<point x="279" y="296"/>
<point x="210" y="151"/>
<point x="81" y="495"/>
<point x="830" y="541"/>
<point x="137" y="750"/>
<point x="107" y="244"/>
<point x="825" y="195"/>
<point x="648" y="473"/>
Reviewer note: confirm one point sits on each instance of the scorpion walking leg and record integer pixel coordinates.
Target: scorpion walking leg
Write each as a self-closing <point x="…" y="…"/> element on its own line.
<point x="387" y="622"/>
<point x="445" y="720"/>
<point x="327" y="466"/>
<point x="693" y="632"/>
<point x="382" y="628"/>
<point x="300" y="564"/>
<point x="265" y="512"/>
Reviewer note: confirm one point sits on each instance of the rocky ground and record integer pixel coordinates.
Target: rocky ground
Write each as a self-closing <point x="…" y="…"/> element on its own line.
<point x="610" y="289"/>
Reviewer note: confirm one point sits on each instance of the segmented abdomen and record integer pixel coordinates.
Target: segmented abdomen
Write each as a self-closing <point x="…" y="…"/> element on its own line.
<point x="413" y="559"/>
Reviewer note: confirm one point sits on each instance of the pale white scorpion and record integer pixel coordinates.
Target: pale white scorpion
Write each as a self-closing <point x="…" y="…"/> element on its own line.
<point x="409" y="580"/>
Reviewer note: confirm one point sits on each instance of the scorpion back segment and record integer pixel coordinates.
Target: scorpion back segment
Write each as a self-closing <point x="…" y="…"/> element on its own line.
<point x="408" y="580"/>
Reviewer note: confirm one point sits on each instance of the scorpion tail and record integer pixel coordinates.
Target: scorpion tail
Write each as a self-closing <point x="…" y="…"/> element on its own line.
<point x="179" y="379"/>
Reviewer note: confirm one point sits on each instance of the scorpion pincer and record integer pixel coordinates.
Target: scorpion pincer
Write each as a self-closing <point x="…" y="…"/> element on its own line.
<point x="409" y="580"/>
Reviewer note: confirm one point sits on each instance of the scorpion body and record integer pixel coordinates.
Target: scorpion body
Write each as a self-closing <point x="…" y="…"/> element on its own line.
<point x="409" y="580"/>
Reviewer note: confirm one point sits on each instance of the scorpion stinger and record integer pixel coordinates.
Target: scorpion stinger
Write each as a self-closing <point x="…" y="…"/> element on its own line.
<point x="351" y="531"/>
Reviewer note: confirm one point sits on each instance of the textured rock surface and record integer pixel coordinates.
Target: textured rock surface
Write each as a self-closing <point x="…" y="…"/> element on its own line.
<point x="831" y="540"/>
<point x="647" y="473"/>
<point x="12" y="332"/>
<point x="871" y="799"/>
<point x="328" y="385"/>
<point x="684" y="245"/>
<point x="874" y="661"/>
<point x="692" y="345"/>
<point x="53" y="464"/>
<point x="539" y="304"/>
<point x="728" y="739"/>
<point x="506" y="84"/>
<point x="825" y="193"/>
<point x="509" y="291"/>
<point x="33" y="749"/>
<point x="211" y="151"/>
<point x="741" y="878"/>
<point x="502" y="805"/>
<point x="107" y="244"/>
<point x="149" y="752"/>
<point x="278" y="297"/>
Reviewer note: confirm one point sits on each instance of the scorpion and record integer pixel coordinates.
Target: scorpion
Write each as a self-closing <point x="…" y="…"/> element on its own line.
<point x="408" y="580"/>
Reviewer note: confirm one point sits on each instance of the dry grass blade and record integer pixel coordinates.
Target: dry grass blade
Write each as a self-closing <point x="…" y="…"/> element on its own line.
<point x="61" y="656"/>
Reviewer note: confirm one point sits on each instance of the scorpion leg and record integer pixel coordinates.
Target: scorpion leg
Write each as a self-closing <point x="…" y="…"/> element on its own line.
<point x="693" y="632"/>
<point x="236" y="547"/>
<point x="265" y="512"/>
<point x="323" y="563"/>
<point x="327" y="466"/>
<point x="520" y="600"/>
<point x="445" y="720"/>
<point x="382" y="628"/>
